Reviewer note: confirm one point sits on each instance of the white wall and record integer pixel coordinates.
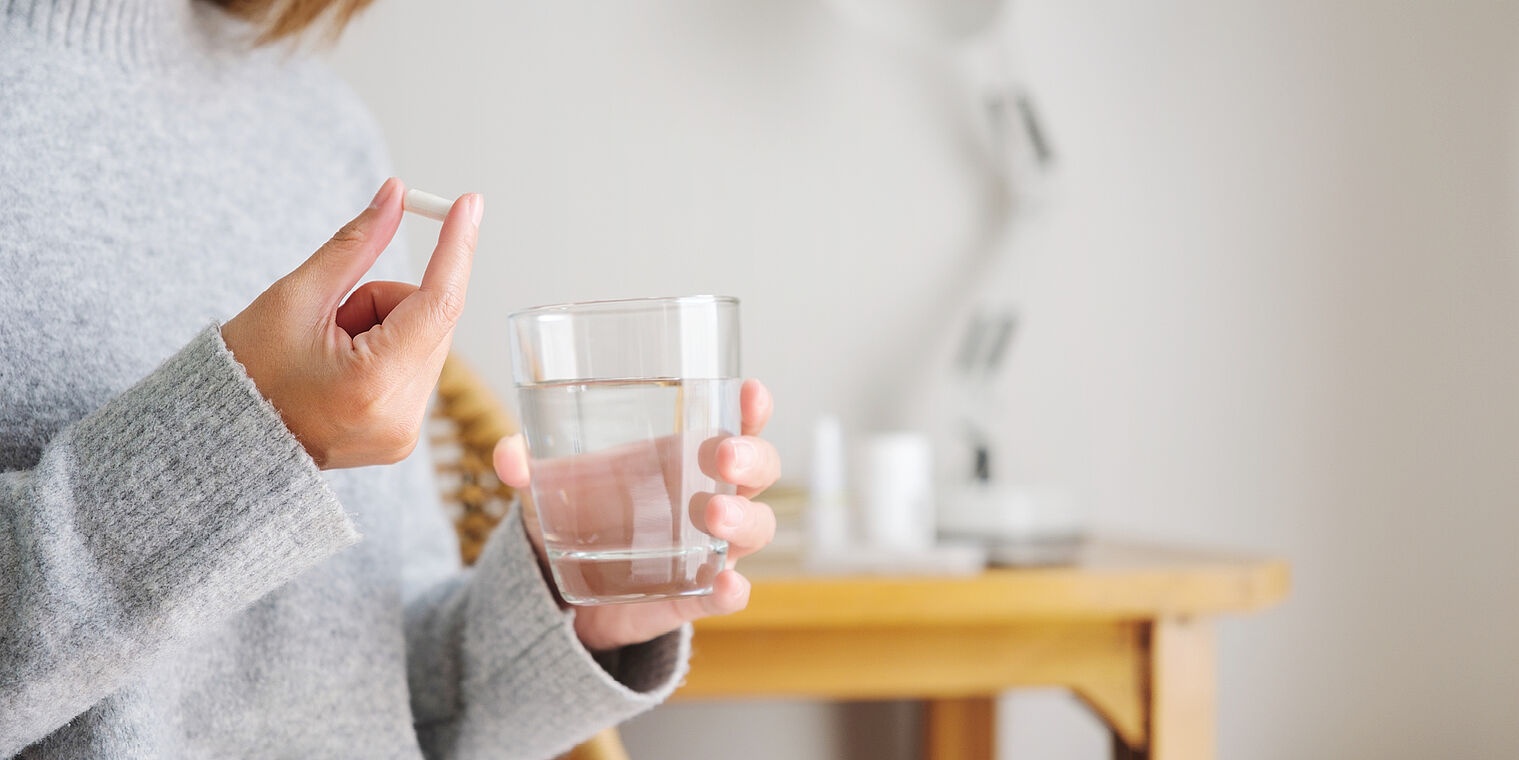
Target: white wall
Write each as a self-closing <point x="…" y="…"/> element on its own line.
<point x="1274" y="304"/>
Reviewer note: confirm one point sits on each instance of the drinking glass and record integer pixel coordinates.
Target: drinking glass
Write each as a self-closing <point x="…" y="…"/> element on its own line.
<point x="623" y="405"/>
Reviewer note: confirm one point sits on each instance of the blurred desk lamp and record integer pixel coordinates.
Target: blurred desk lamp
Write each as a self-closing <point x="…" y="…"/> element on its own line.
<point x="1020" y="524"/>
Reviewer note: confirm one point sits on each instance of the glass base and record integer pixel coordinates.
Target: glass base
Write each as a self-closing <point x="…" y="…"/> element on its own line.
<point x="621" y="576"/>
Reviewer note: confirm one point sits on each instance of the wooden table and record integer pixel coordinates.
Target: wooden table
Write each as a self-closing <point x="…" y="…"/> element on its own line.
<point x="1127" y="628"/>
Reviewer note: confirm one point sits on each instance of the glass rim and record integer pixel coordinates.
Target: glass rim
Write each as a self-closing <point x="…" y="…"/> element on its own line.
<point x="613" y="304"/>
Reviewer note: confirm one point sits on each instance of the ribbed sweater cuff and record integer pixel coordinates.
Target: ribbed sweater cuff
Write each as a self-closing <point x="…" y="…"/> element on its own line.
<point x="539" y="654"/>
<point x="207" y="501"/>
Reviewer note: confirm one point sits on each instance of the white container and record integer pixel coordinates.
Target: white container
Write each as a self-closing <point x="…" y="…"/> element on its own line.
<point x="828" y="501"/>
<point x="1009" y="513"/>
<point x="896" y="492"/>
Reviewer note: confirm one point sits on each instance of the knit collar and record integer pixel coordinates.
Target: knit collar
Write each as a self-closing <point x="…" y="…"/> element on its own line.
<point x="132" y="31"/>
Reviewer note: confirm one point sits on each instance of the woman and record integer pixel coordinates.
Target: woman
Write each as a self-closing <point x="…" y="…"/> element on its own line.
<point x="182" y="501"/>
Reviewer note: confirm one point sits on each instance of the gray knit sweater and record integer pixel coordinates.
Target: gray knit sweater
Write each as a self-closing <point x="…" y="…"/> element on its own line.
<point x="177" y="580"/>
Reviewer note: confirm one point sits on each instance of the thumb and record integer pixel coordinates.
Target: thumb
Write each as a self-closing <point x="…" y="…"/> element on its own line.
<point x="337" y="266"/>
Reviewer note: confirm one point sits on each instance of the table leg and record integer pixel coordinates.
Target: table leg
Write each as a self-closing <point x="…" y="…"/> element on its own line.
<point x="1122" y="750"/>
<point x="960" y="729"/>
<point x="1182" y="690"/>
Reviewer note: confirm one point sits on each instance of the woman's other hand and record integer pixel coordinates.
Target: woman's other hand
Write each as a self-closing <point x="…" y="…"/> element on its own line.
<point x="746" y="461"/>
<point x="351" y="377"/>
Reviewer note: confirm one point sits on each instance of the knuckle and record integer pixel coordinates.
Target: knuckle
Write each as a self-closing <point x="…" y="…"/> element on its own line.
<point x="448" y="306"/>
<point x="350" y="235"/>
<point x="402" y="437"/>
<point x="370" y="365"/>
<point x="366" y="404"/>
<point x="398" y="454"/>
<point x="397" y="443"/>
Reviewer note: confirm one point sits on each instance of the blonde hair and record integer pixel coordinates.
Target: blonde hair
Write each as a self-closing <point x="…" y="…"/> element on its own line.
<point x="288" y="19"/>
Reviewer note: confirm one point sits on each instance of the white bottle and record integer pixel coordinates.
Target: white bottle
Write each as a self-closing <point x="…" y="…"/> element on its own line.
<point x="897" y="492"/>
<point x="828" y="502"/>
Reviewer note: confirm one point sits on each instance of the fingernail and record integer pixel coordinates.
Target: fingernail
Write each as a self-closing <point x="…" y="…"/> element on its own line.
<point x="743" y="453"/>
<point x="383" y="194"/>
<point x="732" y="515"/>
<point x="476" y="208"/>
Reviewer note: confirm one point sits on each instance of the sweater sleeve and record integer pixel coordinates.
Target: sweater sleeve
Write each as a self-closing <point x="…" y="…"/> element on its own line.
<point x="496" y="669"/>
<point x="164" y="512"/>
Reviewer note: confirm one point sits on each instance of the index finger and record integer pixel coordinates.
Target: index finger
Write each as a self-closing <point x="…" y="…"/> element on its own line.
<point x="447" y="273"/>
<point x="755" y="404"/>
<point x="417" y="325"/>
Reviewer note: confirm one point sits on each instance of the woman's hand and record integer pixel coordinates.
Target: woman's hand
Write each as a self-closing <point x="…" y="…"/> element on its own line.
<point x="351" y="377"/>
<point x="748" y="462"/>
